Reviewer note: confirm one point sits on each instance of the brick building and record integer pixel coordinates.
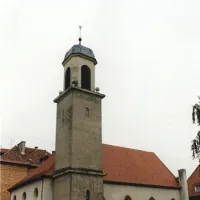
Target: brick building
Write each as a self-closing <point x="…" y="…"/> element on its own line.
<point x="194" y="184"/>
<point x="16" y="163"/>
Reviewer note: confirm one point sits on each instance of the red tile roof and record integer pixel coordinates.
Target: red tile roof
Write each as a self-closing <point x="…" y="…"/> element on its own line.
<point x="122" y="165"/>
<point x="193" y="180"/>
<point x="136" y="166"/>
<point x="32" y="156"/>
<point x="3" y="150"/>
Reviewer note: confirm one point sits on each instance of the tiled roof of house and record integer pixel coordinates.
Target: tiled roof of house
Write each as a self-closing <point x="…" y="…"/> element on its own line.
<point x="32" y="156"/>
<point x="3" y="150"/>
<point x="122" y="165"/>
<point x="193" y="180"/>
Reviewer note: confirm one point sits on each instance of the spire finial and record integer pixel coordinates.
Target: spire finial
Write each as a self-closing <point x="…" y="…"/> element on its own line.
<point x="80" y="39"/>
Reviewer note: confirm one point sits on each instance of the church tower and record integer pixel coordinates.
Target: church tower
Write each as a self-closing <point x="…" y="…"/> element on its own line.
<point x="78" y="161"/>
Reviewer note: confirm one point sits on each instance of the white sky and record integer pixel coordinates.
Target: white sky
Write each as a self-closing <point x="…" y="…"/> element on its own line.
<point x="148" y="55"/>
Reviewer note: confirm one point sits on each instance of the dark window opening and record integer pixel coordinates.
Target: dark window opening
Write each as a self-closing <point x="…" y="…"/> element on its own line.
<point x="87" y="111"/>
<point x="24" y="196"/>
<point x="87" y="194"/>
<point x="127" y="198"/>
<point x="85" y="77"/>
<point x="67" y="77"/>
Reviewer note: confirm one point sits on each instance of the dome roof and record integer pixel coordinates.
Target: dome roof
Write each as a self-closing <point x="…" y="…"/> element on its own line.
<point x="81" y="50"/>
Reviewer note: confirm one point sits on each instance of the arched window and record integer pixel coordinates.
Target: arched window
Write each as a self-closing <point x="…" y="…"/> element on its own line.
<point x="15" y="198"/>
<point x="127" y="198"/>
<point x="85" y="77"/>
<point x="35" y="195"/>
<point x="67" y="77"/>
<point x="151" y="198"/>
<point x="87" y="195"/>
<point x="24" y="196"/>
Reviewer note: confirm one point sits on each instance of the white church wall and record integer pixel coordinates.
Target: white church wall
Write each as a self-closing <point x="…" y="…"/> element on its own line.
<point x="47" y="190"/>
<point x="111" y="192"/>
<point x="29" y="190"/>
<point x="44" y="188"/>
<point x="119" y="192"/>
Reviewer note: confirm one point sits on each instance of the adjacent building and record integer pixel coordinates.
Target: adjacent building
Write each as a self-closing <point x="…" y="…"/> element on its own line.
<point x="16" y="163"/>
<point x="194" y="184"/>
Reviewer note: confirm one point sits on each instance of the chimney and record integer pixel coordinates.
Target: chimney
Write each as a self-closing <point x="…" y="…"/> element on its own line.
<point x="53" y="152"/>
<point x="35" y="147"/>
<point x="183" y="183"/>
<point x="22" y="146"/>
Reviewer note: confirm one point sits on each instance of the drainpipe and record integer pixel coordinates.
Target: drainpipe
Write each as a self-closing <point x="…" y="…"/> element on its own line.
<point x="42" y="188"/>
<point x="183" y="183"/>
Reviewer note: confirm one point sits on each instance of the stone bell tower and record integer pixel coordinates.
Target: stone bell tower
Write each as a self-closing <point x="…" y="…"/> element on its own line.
<point x="78" y="162"/>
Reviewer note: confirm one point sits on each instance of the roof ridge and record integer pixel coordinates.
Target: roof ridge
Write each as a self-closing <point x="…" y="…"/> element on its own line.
<point x="128" y="148"/>
<point x="36" y="149"/>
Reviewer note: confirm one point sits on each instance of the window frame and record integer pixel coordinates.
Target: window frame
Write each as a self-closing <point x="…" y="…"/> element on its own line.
<point x="197" y="187"/>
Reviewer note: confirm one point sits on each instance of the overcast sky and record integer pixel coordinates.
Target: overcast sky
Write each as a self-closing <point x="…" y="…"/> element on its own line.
<point x="148" y="55"/>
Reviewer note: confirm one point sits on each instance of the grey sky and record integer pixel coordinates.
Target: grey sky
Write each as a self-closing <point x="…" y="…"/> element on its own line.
<point x="148" y="55"/>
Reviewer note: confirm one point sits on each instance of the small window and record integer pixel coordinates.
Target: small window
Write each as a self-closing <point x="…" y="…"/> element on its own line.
<point x="127" y="198"/>
<point x="24" y="196"/>
<point x="87" y="112"/>
<point x="151" y="198"/>
<point x="87" y="194"/>
<point x="15" y="198"/>
<point x="35" y="195"/>
<point x="197" y="188"/>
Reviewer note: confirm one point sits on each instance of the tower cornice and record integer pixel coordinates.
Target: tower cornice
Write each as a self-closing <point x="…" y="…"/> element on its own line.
<point x="71" y="88"/>
<point x="78" y="171"/>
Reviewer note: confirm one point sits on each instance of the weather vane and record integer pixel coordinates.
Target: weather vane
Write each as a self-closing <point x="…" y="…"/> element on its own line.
<point x="80" y="39"/>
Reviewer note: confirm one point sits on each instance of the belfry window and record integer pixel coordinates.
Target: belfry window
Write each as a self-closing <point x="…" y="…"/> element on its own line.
<point x="85" y="77"/>
<point x="67" y="77"/>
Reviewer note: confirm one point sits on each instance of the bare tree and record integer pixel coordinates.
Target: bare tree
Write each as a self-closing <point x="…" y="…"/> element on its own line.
<point x="196" y="142"/>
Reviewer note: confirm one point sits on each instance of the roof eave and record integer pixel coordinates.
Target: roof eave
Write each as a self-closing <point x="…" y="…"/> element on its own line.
<point x="80" y="55"/>
<point x="18" y="163"/>
<point x="141" y="185"/>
